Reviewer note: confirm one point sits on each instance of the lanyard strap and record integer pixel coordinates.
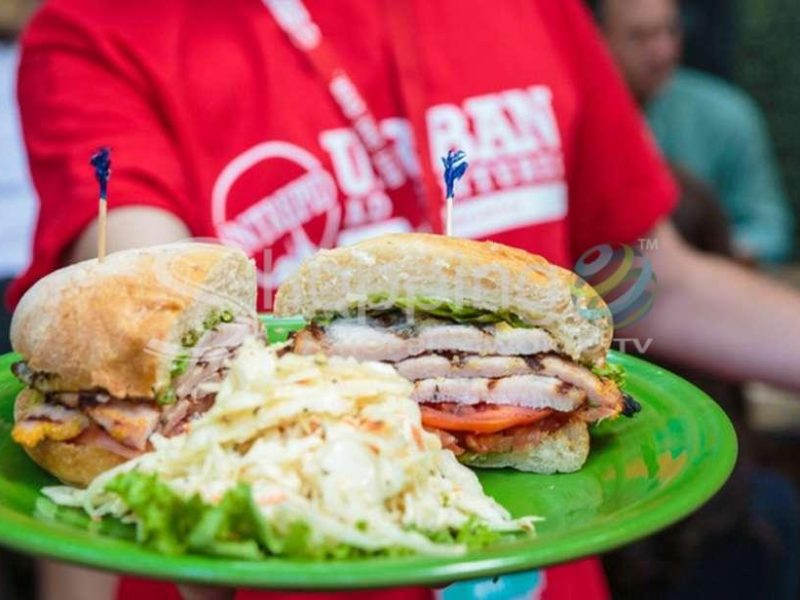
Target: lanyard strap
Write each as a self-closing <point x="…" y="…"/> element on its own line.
<point x="296" y="22"/>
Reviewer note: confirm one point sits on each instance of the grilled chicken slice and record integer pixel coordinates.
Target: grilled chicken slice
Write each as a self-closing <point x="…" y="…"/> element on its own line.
<point x="350" y="337"/>
<point x="97" y="436"/>
<point x="50" y="421"/>
<point x="429" y="366"/>
<point x="531" y="391"/>
<point x="605" y="398"/>
<point x="208" y="358"/>
<point x="127" y="422"/>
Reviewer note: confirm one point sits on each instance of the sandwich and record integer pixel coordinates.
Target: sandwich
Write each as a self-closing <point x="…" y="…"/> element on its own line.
<point x="116" y="351"/>
<point x="506" y="352"/>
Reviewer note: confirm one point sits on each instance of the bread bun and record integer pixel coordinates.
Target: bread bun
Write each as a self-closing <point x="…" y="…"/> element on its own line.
<point x="483" y="275"/>
<point x="73" y="464"/>
<point x="561" y="451"/>
<point x="116" y="325"/>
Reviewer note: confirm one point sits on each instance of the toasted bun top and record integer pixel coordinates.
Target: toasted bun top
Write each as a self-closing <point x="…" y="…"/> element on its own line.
<point x="483" y="275"/>
<point x="116" y="325"/>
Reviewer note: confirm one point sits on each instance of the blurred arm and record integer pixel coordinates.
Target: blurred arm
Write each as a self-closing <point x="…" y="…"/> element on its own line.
<point x="712" y="314"/>
<point x="81" y="86"/>
<point x="127" y="227"/>
<point x="130" y="227"/>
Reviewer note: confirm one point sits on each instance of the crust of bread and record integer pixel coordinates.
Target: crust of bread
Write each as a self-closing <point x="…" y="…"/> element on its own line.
<point x="73" y="464"/>
<point x="562" y="451"/>
<point x="116" y="325"/>
<point x="484" y="275"/>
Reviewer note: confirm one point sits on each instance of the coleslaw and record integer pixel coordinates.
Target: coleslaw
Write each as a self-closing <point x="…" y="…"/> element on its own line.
<point x="301" y="455"/>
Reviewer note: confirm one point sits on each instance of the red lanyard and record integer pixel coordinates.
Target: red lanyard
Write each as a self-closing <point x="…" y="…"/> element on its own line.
<point x="293" y="18"/>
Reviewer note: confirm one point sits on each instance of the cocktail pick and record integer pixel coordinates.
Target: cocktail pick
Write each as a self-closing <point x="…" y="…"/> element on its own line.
<point x="455" y="165"/>
<point x="101" y="161"/>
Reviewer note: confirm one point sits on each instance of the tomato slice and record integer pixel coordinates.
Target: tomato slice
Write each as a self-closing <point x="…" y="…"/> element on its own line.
<point x="480" y="418"/>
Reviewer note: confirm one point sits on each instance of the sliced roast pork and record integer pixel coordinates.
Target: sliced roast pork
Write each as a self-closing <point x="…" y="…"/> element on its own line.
<point x="130" y="423"/>
<point x="469" y="364"/>
<point x="361" y="340"/>
<point x="125" y="425"/>
<point x="45" y="420"/>
<point x="529" y="391"/>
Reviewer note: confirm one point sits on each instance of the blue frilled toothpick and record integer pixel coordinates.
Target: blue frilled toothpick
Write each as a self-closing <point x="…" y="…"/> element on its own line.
<point x="455" y="165"/>
<point x="101" y="161"/>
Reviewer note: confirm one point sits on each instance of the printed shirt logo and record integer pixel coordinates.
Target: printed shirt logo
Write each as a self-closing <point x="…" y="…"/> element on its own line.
<point x="284" y="211"/>
<point x="279" y="197"/>
<point x="516" y="167"/>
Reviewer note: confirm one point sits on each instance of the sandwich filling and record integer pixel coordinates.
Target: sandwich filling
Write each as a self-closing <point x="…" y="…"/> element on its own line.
<point x="485" y="384"/>
<point x="124" y="425"/>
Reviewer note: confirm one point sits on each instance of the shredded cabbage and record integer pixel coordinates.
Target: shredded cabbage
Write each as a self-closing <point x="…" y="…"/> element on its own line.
<point x="312" y="456"/>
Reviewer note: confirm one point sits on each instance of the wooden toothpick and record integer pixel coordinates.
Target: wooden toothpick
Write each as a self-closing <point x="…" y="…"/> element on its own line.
<point x="455" y="165"/>
<point x="101" y="161"/>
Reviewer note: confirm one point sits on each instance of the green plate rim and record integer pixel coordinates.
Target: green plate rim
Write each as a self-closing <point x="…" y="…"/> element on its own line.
<point x="25" y="533"/>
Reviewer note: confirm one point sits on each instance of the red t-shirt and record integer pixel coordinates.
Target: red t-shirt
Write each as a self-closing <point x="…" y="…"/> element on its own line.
<point x="214" y="116"/>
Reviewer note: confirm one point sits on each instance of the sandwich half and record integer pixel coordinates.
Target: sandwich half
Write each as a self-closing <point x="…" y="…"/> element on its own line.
<point x="506" y="351"/>
<point x="116" y="351"/>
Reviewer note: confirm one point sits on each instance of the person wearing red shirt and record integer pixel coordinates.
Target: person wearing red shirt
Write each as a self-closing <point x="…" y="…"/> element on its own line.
<point x="283" y="127"/>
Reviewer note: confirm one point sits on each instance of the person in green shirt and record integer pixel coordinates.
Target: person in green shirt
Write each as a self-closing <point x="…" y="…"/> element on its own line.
<point x="702" y="124"/>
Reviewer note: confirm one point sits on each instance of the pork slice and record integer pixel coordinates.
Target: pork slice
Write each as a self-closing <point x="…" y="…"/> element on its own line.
<point x="97" y="436"/>
<point x="130" y="423"/>
<point x="488" y="340"/>
<point x="175" y="417"/>
<point x="208" y="356"/>
<point x="188" y="384"/>
<point x="357" y="340"/>
<point x="530" y="391"/>
<point x="350" y="337"/>
<point x="49" y="411"/>
<point x="430" y="366"/>
<point x="217" y="343"/>
<point x="47" y="420"/>
<point x="605" y="398"/>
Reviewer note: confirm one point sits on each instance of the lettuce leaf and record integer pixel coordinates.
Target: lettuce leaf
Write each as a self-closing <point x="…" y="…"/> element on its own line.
<point x="459" y="313"/>
<point x="615" y="373"/>
<point x="474" y="534"/>
<point x="174" y="525"/>
<point x="235" y="527"/>
<point x="434" y="307"/>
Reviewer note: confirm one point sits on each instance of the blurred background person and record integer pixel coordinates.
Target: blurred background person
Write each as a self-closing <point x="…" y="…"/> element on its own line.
<point x="703" y="124"/>
<point x="18" y="210"/>
<point x="17" y="199"/>
<point x="744" y="543"/>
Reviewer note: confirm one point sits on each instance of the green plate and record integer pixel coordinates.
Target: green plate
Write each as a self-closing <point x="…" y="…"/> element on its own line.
<point x="642" y="474"/>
